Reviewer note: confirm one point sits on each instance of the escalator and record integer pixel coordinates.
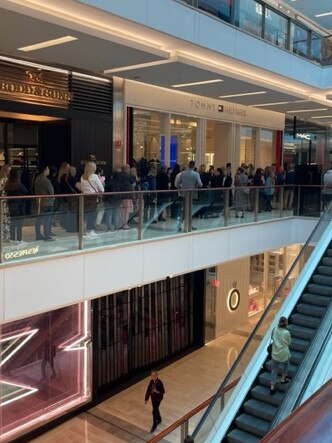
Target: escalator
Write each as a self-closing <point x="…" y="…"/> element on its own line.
<point x="304" y="297"/>
<point x="259" y="409"/>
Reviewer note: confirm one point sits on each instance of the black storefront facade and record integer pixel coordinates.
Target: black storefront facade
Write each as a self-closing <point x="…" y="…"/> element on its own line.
<point x="49" y="115"/>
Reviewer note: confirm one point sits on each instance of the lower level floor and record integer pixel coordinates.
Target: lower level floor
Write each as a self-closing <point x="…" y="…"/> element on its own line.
<point x="188" y="382"/>
<point x="190" y="326"/>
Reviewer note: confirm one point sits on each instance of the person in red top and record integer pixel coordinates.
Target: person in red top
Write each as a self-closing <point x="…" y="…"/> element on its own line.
<point x="156" y="391"/>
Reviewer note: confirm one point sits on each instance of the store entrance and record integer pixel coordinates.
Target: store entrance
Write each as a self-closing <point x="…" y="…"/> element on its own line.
<point x="30" y="141"/>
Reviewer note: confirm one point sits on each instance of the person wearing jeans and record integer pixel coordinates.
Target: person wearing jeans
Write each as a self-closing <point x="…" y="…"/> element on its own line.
<point x="90" y="185"/>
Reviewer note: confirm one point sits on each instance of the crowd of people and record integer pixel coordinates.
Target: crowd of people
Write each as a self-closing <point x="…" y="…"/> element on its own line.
<point x="104" y="203"/>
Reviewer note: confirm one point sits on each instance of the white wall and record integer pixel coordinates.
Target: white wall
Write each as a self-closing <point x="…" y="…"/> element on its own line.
<point x="34" y="287"/>
<point x="227" y="320"/>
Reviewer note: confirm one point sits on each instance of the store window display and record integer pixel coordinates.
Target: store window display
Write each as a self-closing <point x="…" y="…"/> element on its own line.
<point x="44" y="368"/>
<point x="183" y="139"/>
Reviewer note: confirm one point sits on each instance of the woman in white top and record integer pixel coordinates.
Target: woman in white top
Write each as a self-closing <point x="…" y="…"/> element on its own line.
<point x="90" y="184"/>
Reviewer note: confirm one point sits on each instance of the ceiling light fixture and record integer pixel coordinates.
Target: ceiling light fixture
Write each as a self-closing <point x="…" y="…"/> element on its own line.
<point x="323" y="14"/>
<point x="307" y="110"/>
<point x="323" y="116"/>
<point x="243" y="95"/>
<point x="203" y="82"/>
<point x="270" y="104"/>
<point x="47" y="43"/>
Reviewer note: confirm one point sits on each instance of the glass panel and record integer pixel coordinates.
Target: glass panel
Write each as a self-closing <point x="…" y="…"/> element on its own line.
<point x="44" y="367"/>
<point x="148" y="139"/>
<point x="219" y="8"/>
<point x="327" y="51"/>
<point x="183" y="139"/>
<point x="298" y="40"/>
<point x="2" y="144"/>
<point x="248" y="140"/>
<point x="248" y="16"/>
<point x="276" y="28"/>
<point x="316" y="47"/>
<point x="266" y="150"/>
<point x="28" y="226"/>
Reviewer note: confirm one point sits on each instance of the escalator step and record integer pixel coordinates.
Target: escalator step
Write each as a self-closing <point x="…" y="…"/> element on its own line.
<point x="325" y="270"/>
<point x="320" y="289"/>
<point x="305" y="320"/>
<point x="265" y="379"/>
<point x="239" y="436"/>
<point x="308" y="309"/>
<point x="260" y="409"/>
<point x="301" y="332"/>
<point x="329" y="252"/>
<point x="322" y="279"/>
<point x="315" y="299"/>
<point x="253" y="425"/>
<point x="299" y="345"/>
<point x="262" y="393"/>
<point x="327" y="261"/>
<point x="292" y="368"/>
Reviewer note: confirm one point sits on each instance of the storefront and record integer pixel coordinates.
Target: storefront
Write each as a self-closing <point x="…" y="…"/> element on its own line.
<point x="180" y="127"/>
<point x="50" y="115"/>
<point x="55" y="362"/>
<point x="307" y="143"/>
<point x="45" y="368"/>
<point x="233" y="297"/>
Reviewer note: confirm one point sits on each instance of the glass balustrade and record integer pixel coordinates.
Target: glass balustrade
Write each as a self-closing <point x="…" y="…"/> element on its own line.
<point x="41" y="226"/>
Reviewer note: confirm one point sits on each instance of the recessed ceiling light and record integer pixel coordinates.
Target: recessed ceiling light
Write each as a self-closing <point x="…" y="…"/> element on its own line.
<point x="270" y="104"/>
<point x="242" y="95"/>
<point x="323" y="116"/>
<point x="203" y="82"/>
<point x="323" y="14"/>
<point x="307" y="110"/>
<point x="47" y="43"/>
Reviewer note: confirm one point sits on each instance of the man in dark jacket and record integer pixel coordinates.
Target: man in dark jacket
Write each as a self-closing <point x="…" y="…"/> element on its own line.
<point x="156" y="391"/>
<point x="43" y="186"/>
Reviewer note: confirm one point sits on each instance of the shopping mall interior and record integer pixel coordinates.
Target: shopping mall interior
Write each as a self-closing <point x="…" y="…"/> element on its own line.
<point x="194" y="286"/>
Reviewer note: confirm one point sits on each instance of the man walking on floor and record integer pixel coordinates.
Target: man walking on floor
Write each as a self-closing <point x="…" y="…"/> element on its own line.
<point x="156" y="391"/>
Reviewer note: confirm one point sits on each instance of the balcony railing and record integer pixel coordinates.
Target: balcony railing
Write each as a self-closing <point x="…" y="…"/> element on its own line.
<point x="261" y="20"/>
<point x="62" y="224"/>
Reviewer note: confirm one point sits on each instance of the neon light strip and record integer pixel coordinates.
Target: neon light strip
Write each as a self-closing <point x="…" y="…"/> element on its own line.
<point x="29" y="334"/>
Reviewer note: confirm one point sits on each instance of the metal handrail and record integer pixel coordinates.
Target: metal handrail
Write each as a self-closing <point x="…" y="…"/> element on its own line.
<point x="190" y="414"/>
<point x="257" y="327"/>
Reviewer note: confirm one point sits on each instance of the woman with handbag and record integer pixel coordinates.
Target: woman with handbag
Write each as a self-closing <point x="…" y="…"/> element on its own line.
<point x="241" y="192"/>
<point x="281" y="339"/>
<point x="90" y="185"/>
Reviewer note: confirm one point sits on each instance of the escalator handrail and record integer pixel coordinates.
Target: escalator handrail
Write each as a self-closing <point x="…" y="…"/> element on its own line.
<point x="302" y="377"/>
<point x="298" y="424"/>
<point x="259" y="323"/>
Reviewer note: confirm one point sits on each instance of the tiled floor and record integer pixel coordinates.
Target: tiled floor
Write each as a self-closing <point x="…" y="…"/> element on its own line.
<point x="188" y="382"/>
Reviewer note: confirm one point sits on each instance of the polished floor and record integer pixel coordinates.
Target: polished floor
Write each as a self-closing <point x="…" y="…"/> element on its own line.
<point x="188" y="382"/>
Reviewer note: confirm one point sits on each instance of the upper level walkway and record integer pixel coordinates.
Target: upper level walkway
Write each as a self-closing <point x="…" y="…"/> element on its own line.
<point x="77" y="267"/>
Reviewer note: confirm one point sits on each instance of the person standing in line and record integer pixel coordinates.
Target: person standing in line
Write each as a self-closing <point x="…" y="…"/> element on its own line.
<point x="43" y="186"/>
<point x="281" y="339"/>
<point x="156" y="391"/>
<point x="90" y="185"/>
<point x="4" y="174"/>
<point x="17" y="209"/>
<point x="187" y="180"/>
